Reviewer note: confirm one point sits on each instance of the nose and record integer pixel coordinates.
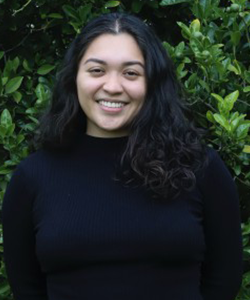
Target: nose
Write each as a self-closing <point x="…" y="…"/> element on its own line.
<point x="112" y="84"/>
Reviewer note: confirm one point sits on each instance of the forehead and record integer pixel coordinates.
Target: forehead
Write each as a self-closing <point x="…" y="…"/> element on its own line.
<point x="114" y="46"/>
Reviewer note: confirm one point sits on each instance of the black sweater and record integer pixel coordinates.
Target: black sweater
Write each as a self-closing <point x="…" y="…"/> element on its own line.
<point x="71" y="232"/>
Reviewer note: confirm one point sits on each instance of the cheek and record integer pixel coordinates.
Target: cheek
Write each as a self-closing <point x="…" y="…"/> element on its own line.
<point x="86" y="88"/>
<point x="138" y="93"/>
<point x="135" y="89"/>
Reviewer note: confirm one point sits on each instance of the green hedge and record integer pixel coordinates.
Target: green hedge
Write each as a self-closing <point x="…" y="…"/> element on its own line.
<point x="207" y="39"/>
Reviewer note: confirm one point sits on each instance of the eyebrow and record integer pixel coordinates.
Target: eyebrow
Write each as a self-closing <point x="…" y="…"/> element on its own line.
<point x="102" y="62"/>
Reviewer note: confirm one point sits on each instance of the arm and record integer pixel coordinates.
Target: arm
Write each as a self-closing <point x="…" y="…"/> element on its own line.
<point x="222" y="268"/>
<point x="25" y="277"/>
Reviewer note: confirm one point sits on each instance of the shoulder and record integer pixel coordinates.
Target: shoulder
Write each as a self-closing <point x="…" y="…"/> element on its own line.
<point x="215" y="173"/>
<point x="22" y="179"/>
<point x="35" y="171"/>
<point x="211" y="154"/>
<point x="213" y="162"/>
<point x="37" y="164"/>
<point x="35" y="160"/>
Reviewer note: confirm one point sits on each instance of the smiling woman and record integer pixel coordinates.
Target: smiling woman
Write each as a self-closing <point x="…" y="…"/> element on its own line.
<point x="111" y="88"/>
<point x="122" y="200"/>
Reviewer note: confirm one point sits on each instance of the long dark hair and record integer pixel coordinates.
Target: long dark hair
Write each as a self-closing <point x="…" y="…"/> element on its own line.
<point x="164" y="149"/>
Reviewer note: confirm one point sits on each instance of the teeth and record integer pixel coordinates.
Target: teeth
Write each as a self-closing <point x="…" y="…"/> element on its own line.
<point x="111" y="104"/>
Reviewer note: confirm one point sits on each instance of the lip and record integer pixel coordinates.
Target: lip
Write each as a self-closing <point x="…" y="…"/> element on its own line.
<point x="112" y="100"/>
<point x="111" y="109"/>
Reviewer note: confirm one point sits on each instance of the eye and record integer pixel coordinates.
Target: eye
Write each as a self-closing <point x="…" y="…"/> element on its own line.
<point x="96" y="72"/>
<point x="131" y="74"/>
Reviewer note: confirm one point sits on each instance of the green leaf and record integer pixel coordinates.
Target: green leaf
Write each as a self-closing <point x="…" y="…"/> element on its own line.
<point x="10" y="130"/>
<point x="187" y="60"/>
<point x="246" y="89"/>
<point x="4" y="288"/>
<point x="110" y="4"/>
<point x="230" y="100"/>
<point x="196" y="46"/>
<point x="210" y="116"/>
<point x="8" y="69"/>
<point x="34" y="120"/>
<point x="235" y="123"/>
<point x="233" y="69"/>
<point x="195" y="25"/>
<point x="247" y="76"/>
<point x="4" y="170"/>
<point x="173" y="2"/>
<point x="3" y="130"/>
<point x="26" y="66"/>
<point x="242" y="131"/>
<point x="40" y="91"/>
<point x="222" y="121"/>
<point x="76" y="26"/>
<point x="185" y="30"/>
<point x="170" y="49"/>
<point x="153" y="3"/>
<point x="20" y="138"/>
<point x="31" y="111"/>
<point x="29" y="127"/>
<point x="70" y="11"/>
<point x="6" y="119"/>
<point x="204" y="8"/>
<point x="180" y="72"/>
<point x="191" y="82"/>
<point x="179" y="49"/>
<point x="4" y="80"/>
<point x="45" y="69"/>
<point x="235" y="116"/>
<point x="217" y="97"/>
<point x="204" y="85"/>
<point x="237" y="170"/>
<point x="1" y="54"/>
<point x="137" y="6"/>
<point x="84" y="11"/>
<point x="1" y="84"/>
<point x="17" y="96"/>
<point x="235" y="37"/>
<point x="15" y="64"/>
<point x="246" y="229"/>
<point x="13" y="84"/>
<point x="245" y="22"/>
<point x="246" y="149"/>
<point x="221" y="70"/>
<point x="236" y="66"/>
<point x="55" y="16"/>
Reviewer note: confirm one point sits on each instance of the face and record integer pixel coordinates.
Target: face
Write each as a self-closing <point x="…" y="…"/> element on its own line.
<point x="111" y="84"/>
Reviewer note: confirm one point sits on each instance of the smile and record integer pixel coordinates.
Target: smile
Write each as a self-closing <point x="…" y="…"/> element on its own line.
<point x="112" y="104"/>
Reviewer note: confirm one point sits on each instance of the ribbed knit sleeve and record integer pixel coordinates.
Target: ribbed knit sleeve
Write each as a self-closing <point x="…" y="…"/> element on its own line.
<point x="222" y="267"/>
<point x="25" y="277"/>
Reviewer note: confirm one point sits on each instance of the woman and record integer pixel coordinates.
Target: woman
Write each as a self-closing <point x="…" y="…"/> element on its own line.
<point x="122" y="201"/>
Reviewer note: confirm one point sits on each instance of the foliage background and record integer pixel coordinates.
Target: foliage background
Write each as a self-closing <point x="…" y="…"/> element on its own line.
<point x="207" y="39"/>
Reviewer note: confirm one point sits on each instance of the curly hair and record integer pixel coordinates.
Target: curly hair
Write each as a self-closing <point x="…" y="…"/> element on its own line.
<point x="164" y="149"/>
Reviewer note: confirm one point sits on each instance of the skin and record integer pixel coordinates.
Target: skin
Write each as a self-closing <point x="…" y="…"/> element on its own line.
<point x="112" y="70"/>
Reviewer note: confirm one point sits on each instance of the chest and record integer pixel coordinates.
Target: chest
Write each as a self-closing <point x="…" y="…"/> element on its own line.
<point x="89" y="217"/>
